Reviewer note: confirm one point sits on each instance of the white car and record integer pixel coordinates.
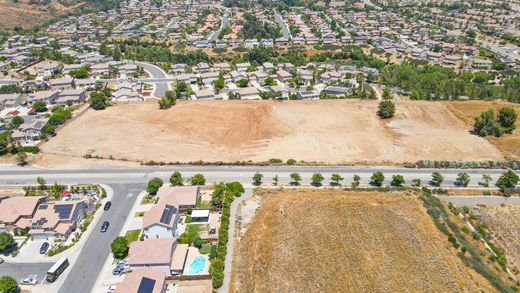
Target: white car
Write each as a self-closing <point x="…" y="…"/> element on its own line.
<point x="111" y="289"/>
<point x="31" y="280"/>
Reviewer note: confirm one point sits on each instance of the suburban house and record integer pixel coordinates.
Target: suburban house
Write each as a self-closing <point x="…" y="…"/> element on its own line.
<point x="48" y="69"/>
<point x="71" y="96"/>
<point x="30" y="131"/>
<point x="283" y="75"/>
<point x="17" y="212"/>
<point x="242" y="67"/>
<point x="161" y="220"/>
<point x="336" y="91"/>
<point x="248" y="93"/>
<point x="126" y="93"/>
<point x="156" y="254"/>
<point x="62" y="83"/>
<point x="10" y="101"/>
<point x="143" y="281"/>
<point x="58" y="218"/>
<point x="206" y="94"/>
<point x="184" y="196"/>
<point x="86" y="84"/>
<point x="308" y="95"/>
<point x="46" y="96"/>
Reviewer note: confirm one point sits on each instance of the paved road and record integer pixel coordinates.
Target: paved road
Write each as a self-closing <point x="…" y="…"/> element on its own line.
<point x="14" y="176"/>
<point x="223" y="23"/>
<point x="369" y="3"/>
<point x="156" y="72"/>
<point x="22" y="270"/>
<point x="481" y="200"/>
<point x="283" y="26"/>
<point x="87" y="267"/>
<point x="231" y="242"/>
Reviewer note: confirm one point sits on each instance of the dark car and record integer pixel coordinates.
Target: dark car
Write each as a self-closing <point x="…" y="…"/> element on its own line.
<point x="104" y="227"/>
<point x="44" y="247"/>
<point x="118" y="271"/>
<point x="107" y="206"/>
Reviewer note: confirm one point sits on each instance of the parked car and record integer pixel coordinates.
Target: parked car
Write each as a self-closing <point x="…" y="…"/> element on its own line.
<point x="107" y="206"/>
<point x="44" y="247"/>
<point x="111" y="289"/>
<point x="118" y="271"/>
<point x="31" y="280"/>
<point x="122" y="262"/>
<point x="1" y="260"/>
<point x="104" y="227"/>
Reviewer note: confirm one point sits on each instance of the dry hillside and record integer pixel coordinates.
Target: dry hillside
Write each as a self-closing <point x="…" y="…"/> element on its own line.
<point x="508" y="144"/>
<point x="338" y="241"/>
<point x="29" y="13"/>
<point x="330" y="131"/>
<point x="504" y="226"/>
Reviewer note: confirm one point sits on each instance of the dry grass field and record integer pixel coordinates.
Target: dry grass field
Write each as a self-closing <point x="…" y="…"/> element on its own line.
<point x="328" y="131"/>
<point x="22" y="14"/>
<point x="508" y="144"/>
<point x="504" y="226"/>
<point x="339" y="241"/>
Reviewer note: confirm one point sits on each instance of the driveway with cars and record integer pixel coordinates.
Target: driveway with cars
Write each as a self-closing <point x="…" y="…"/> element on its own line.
<point x="23" y="270"/>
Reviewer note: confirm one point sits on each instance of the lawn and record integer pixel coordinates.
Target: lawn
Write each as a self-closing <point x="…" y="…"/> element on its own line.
<point x="192" y="232"/>
<point x="205" y="249"/>
<point x="132" y="235"/>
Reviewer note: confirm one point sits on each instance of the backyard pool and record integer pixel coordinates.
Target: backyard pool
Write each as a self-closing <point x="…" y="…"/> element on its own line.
<point x="197" y="266"/>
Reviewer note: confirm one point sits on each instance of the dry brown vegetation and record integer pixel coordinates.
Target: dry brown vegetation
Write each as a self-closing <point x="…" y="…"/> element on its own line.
<point x="503" y="222"/>
<point x="329" y="131"/>
<point x="338" y="241"/>
<point x="25" y="15"/>
<point x="508" y="144"/>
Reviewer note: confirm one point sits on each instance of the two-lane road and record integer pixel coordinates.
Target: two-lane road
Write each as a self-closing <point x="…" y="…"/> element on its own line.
<point x="96" y="249"/>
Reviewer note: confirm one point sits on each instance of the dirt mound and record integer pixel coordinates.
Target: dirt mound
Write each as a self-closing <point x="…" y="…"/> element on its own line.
<point x="337" y="241"/>
<point x="329" y="131"/>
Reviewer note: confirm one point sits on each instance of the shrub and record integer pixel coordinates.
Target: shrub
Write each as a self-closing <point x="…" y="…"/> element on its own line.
<point x="291" y="162"/>
<point x="386" y="109"/>
<point x="120" y="247"/>
<point x="153" y="185"/>
<point x="377" y="179"/>
<point x="6" y="240"/>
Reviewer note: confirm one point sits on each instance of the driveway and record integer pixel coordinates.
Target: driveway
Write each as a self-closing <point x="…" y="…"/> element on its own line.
<point x="23" y="270"/>
<point x="30" y="252"/>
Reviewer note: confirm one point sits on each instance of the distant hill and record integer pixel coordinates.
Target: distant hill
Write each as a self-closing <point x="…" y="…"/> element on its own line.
<point x="23" y="14"/>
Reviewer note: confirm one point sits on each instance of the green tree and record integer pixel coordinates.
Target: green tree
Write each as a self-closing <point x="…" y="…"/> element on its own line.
<point x="8" y="285"/>
<point x="507" y="180"/>
<point x="17" y="121"/>
<point x="387" y="93"/>
<point x="176" y="179"/>
<point x="275" y="180"/>
<point x="257" y="179"/>
<point x="437" y="179"/>
<point x="153" y="185"/>
<point x="356" y="181"/>
<point x="219" y="84"/>
<point x="21" y="158"/>
<point x="507" y="119"/>
<point x="462" y="179"/>
<point x="296" y="178"/>
<point x="41" y="182"/>
<point x="6" y="240"/>
<point x="486" y="178"/>
<point x="377" y="178"/>
<point x="120" y="247"/>
<point x="316" y="179"/>
<point x="416" y="182"/>
<point x="397" y="181"/>
<point x="243" y="83"/>
<point x="39" y="106"/>
<point x="487" y="124"/>
<point x="386" y="109"/>
<point x="197" y="179"/>
<point x="335" y="179"/>
<point x="98" y="101"/>
<point x="291" y="162"/>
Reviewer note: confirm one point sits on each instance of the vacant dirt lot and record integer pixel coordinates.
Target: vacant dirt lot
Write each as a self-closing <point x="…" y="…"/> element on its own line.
<point x="504" y="225"/>
<point x="337" y="241"/>
<point x="508" y="144"/>
<point x="330" y="131"/>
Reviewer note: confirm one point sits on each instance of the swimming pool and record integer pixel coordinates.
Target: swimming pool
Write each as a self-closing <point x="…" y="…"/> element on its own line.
<point x="197" y="266"/>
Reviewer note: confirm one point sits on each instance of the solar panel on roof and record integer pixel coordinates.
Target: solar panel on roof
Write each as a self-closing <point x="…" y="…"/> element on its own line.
<point x="43" y="207"/>
<point x="167" y="214"/>
<point x="63" y="210"/>
<point x="41" y="221"/>
<point x="146" y="285"/>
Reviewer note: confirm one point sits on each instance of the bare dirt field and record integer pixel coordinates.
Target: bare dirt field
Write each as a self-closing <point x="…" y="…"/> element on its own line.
<point x="508" y="144"/>
<point x="504" y="226"/>
<point x="338" y="241"/>
<point x="328" y="131"/>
